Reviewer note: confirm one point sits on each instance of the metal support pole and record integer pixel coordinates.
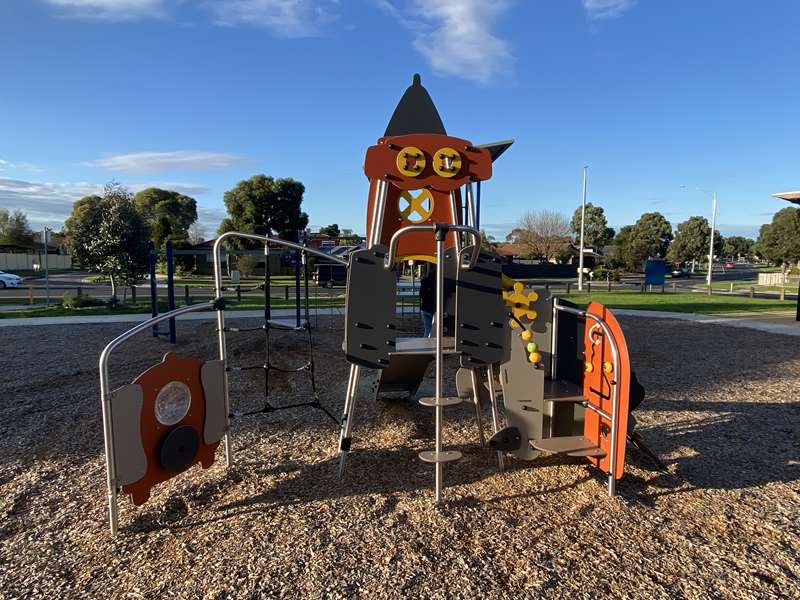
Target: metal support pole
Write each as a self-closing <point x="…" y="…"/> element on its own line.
<point x="440" y="237"/>
<point x="711" y="241"/>
<point x="478" y="208"/>
<point x="171" y="289"/>
<point x="583" y="225"/>
<point x="151" y="264"/>
<point x="46" y="269"/>
<point x="347" y="417"/>
<point x="495" y="413"/>
<point x="474" y="376"/>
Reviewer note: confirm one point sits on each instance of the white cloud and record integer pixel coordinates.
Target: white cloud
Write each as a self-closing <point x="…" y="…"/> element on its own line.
<point x="50" y="203"/>
<point x="112" y="10"/>
<point x="7" y="165"/>
<point x="607" y="9"/>
<point x="456" y="36"/>
<point x="181" y="160"/>
<point x="286" y="18"/>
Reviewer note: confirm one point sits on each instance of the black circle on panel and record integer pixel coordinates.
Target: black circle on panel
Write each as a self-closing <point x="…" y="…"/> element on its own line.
<point x="179" y="448"/>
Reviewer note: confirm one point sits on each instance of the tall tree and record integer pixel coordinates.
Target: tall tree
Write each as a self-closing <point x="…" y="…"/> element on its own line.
<point x="691" y="241"/>
<point x="168" y="214"/>
<point x="108" y="235"/>
<point x="737" y="246"/>
<point x="264" y="206"/>
<point x="330" y="230"/>
<point x="542" y="233"/>
<point x="596" y="232"/>
<point x="14" y="228"/>
<point x="649" y="237"/>
<point x="779" y="241"/>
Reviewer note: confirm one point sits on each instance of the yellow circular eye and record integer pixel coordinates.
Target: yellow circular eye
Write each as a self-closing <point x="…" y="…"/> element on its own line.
<point x="410" y="161"/>
<point x="447" y="162"/>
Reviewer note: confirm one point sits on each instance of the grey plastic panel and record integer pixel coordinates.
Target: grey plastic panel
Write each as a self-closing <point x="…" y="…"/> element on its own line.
<point x="370" y="320"/>
<point x="523" y="396"/>
<point x="212" y="376"/>
<point x="482" y="330"/>
<point x="130" y="460"/>
<point x="404" y="373"/>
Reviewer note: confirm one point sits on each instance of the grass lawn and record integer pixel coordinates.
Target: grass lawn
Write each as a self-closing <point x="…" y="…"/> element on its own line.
<point x="681" y="302"/>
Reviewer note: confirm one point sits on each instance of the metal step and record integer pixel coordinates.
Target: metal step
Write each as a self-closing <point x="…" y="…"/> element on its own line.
<point x="571" y="445"/>
<point x="447" y="401"/>
<point x="563" y="391"/>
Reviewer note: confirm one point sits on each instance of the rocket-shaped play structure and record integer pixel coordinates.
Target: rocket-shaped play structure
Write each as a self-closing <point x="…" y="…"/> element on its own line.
<point x="555" y="377"/>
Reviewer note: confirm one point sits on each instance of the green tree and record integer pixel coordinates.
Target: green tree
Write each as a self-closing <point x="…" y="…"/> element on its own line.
<point x="779" y="241"/>
<point x="488" y="242"/>
<point x="264" y="206"/>
<point x="14" y="228"/>
<point x="168" y="214"/>
<point x="596" y="231"/>
<point x="108" y="235"/>
<point x="691" y="241"/>
<point x="330" y="230"/>
<point x="737" y="246"/>
<point x="649" y="237"/>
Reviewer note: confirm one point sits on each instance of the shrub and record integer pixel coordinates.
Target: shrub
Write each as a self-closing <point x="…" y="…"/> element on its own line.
<point x="601" y="273"/>
<point x="73" y="300"/>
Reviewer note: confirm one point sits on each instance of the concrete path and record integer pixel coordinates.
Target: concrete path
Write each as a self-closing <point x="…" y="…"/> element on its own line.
<point x="782" y="323"/>
<point x="198" y="316"/>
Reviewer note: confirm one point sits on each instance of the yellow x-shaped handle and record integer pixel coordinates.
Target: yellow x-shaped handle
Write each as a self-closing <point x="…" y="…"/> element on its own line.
<point x="416" y="205"/>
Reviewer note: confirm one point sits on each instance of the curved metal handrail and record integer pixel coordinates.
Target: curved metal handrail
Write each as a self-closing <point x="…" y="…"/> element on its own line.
<point x="433" y="227"/>
<point x="105" y="397"/>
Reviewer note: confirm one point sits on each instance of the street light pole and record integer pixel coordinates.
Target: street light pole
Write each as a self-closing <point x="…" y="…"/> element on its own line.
<point x="711" y="241"/>
<point x="583" y="224"/>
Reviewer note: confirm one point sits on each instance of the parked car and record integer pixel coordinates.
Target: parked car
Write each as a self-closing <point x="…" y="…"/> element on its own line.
<point x="329" y="275"/>
<point x="680" y="272"/>
<point x="9" y="280"/>
<point x="729" y="265"/>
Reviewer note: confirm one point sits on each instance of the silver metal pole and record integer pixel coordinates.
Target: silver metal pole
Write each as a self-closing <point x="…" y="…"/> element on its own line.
<point x="554" y="342"/>
<point x="46" y="270"/>
<point x="495" y="413"/>
<point x="105" y="400"/>
<point x="222" y="346"/>
<point x="347" y="416"/>
<point x="455" y="219"/>
<point x="439" y="359"/>
<point x="474" y="376"/>
<point x="583" y="226"/>
<point x="711" y="241"/>
<point x="470" y="199"/>
<point x="378" y="210"/>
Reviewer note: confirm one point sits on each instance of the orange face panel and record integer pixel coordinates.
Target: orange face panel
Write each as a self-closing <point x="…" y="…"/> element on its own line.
<point x="427" y="160"/>
<point x="402" y="210"/>
<point x="599" y="379"/>
<point x="172" y="369"/>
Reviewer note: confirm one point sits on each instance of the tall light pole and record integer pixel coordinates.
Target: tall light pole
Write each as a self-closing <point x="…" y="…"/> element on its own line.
<point x="713" y="227"/>
<point x="583" y="225"/>
<point x="711" y="241"/>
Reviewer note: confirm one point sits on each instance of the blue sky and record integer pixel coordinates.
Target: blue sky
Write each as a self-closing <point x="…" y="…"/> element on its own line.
<point x="199" y="94"/>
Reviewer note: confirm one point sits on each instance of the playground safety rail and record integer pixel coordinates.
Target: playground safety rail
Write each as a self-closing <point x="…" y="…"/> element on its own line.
<point x="614" y="416"/>
<point x="105" y="397"/>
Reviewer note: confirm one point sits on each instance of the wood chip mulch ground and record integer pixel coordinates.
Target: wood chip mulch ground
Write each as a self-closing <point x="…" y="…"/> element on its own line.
<point x="722" y="411"/>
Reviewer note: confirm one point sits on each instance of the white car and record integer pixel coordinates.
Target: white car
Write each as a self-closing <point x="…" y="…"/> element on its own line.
<point x="9" y="280"/>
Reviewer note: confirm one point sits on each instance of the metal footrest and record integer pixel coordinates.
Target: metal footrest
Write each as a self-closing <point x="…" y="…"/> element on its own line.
<point x="447" y="401"/>
<point x="571" y="445"/>
<point x="431" y="456"/>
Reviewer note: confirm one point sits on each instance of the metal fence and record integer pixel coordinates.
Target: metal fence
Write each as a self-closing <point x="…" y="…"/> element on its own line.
<point x="25" y="262"/>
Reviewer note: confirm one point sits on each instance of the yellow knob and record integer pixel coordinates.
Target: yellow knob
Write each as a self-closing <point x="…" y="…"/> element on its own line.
<point x="588" y="367"/>
<point x="608" y="367"/>
<point x="535" y="358"/>
<point x="527" y="335"/>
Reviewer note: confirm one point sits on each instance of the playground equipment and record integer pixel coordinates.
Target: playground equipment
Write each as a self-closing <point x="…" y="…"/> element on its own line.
<point x="152" y="260"/>
<point x="562" y="373"/>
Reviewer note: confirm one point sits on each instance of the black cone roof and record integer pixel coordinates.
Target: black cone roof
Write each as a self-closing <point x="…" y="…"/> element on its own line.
<point x="415" y="113"/>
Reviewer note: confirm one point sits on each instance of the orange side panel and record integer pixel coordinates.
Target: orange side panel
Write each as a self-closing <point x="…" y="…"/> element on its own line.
<point x="598" y="386"/>
<point x="417" y="242"/>
<point x="172" y="368"/>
